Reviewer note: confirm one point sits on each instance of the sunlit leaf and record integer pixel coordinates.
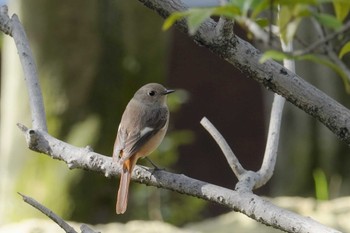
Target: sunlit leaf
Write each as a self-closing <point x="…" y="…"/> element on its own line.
<point x="344" y="50"/>
<point x="328" y="20"/>
<point x="172" y="19"/>
<point x="228" y="11"/>
<point x="321" y="185"/>
<point x="196" y="17"/>
<point x="273" y="54"/>
<point x="341" y="8"/>
<point x="301" y="10"/>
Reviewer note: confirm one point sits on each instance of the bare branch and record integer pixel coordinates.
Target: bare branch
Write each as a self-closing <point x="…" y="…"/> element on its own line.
<point x="244" y="202"/>
<point x="54" y="217"/>
<point x="49" y="213"/>
<point x="225" y="148"/>
<point x="270" y="156"/>
<point x="14" y="28"/>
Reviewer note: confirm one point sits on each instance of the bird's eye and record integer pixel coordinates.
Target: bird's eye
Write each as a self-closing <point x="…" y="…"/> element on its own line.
<point x="151" y="93"/>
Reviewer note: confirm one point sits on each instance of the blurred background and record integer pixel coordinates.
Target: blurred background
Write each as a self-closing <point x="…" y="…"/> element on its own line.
<point x="91" y="57"/>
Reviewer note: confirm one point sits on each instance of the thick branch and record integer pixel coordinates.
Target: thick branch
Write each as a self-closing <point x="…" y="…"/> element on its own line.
<point x="272" y="75"/>
<point x="244" y="202"/>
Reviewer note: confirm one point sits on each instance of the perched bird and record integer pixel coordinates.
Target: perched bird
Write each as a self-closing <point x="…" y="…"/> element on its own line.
<point x="141" y="130"/>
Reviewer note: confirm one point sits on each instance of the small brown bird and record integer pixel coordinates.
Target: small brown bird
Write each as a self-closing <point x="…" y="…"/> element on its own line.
<point x="141" y="130"/>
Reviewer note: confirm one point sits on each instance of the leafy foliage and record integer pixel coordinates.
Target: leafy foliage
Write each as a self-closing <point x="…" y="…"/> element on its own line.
<point x="287" y="15"/>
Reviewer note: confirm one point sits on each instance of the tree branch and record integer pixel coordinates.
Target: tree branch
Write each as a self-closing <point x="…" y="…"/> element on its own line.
<point x="270" y="156"/>
<point x="231" y="158"/>
<point x="271" y="74"/>
<point x="54" y="217"/>
<point x="15" y="29"/>
<point x="241" y="201"/>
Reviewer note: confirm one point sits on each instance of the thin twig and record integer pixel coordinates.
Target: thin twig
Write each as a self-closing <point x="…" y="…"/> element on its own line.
<point x="49" y="213"/>
<point x="322" y="41"/>
<point x="270" y="156"/>
<point x="225" y="148"/>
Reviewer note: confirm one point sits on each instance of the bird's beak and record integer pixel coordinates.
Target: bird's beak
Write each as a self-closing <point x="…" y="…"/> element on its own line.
<point x="168" y="92"/>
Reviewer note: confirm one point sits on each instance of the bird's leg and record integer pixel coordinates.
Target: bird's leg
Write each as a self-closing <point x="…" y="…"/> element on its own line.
<point x="153" y="164"/>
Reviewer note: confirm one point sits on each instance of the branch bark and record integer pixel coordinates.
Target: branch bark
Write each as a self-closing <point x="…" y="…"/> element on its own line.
<point x="242" y="201"/>
<point x="15" y="29"/>
<point x="231" y="158"/>
<point x="271" y="74"/>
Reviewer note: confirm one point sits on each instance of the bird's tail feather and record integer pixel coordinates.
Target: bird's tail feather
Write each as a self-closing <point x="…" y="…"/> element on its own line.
<point x="122" y="198"/>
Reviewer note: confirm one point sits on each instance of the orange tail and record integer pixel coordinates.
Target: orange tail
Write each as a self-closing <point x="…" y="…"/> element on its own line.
<point x="122" y="199"/>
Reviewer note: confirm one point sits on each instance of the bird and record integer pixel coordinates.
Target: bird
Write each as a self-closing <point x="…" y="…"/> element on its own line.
<point x="141" y="130"/>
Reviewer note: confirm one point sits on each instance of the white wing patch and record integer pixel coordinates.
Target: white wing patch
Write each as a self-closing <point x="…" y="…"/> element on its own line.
<point x="145" y="130"/>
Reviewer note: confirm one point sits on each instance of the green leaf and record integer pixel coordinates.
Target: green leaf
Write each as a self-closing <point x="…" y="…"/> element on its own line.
<point x="263" y="5"/>
<point x="262" y="22"/>
<point x="196" y="17"/>
<point x="279" y="56"/>
<point x="341" y="8"/>
<point x="321" y="185"/>
<point x="330" y="64"/>
<point x="172" y="19"/>
<point x="228" y="11"/>
<point x="328" y="20"/>
<point x="344" y="50"/>
<point x="302" y="10"/>
<point x="284" y="17"/>
<point x="273" y="54"/>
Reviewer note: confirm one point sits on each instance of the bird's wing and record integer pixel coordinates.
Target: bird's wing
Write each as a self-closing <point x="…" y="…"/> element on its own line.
<point x="152" y="121"/>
